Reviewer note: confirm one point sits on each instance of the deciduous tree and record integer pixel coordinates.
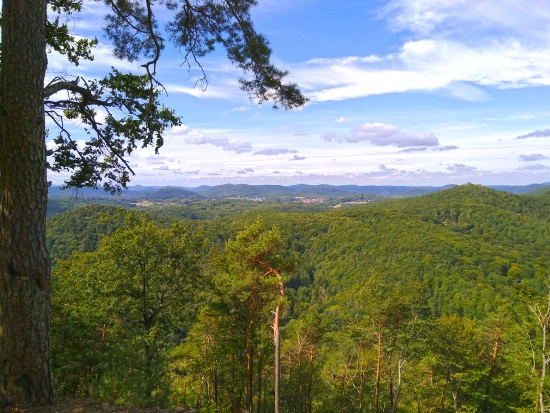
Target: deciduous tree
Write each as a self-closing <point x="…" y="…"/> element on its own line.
<point x="140" y="286"/>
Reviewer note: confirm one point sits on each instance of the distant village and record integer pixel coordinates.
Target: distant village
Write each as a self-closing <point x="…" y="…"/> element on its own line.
<point x="295" y="199"/>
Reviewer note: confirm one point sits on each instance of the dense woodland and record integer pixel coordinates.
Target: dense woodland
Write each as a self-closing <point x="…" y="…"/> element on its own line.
<point x="436" y="303"/>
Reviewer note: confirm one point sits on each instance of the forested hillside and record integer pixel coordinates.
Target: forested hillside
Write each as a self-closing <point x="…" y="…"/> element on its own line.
<point x="539" y="191"/>
<point x="416" y="304"/>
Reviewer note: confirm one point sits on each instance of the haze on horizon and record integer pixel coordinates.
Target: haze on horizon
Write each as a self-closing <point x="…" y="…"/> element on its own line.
<point x="403" y="92"/>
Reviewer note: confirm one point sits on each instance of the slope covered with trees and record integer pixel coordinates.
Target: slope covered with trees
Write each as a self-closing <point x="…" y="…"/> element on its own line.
<point x="418" y="304"/>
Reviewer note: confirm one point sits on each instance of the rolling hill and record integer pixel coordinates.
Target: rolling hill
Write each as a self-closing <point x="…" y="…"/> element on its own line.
<point x="472" y="242"/>
<point x="170" y="193"/>
<point x="538" y="191"/>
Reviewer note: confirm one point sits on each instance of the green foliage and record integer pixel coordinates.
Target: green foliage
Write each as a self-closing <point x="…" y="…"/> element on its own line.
<point x="426" y="286"/>
<point x="142" y="123"/>
<point x="140" y="285"/>
<point x="58" y="37"/>
<point x="62" y="205"/>
<point x="171" y="194"/>
<point x="538" y="191"/>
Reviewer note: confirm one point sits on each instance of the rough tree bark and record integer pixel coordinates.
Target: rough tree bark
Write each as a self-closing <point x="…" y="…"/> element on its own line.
<point x="25" y="366"/>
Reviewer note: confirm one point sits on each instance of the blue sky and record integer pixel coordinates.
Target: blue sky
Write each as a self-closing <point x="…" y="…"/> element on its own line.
<point x="403" y="92"/>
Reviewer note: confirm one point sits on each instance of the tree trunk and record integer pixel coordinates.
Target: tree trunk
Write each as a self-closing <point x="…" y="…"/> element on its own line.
<point x="399" y="380"/>
<point x="248" y="387"/>
<point x="216" y="387"/>
<point x="232" y="386"/>
<point x="362" y="379"/>
<point x="543" y="371"/>
<point x="277" y="339"/>
<point x="25" y="365"/>
<point x="310" y="384"/>
<point x="251" y="396"/>
<point x="443" y="395"/>
<point x="259" y="408"/>
<point x="377" y="389"/>
<point x="390" y="376"/>
<point x="490" y="375"/>
<point x="300" y="378"/>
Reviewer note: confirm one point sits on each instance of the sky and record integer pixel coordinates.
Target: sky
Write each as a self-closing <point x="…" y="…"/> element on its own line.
<point x="402" y="92"/>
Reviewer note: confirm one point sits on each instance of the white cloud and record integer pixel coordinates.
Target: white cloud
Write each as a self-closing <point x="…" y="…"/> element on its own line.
<point x="456" y="46"/>
<point x="222" y="142"/>
<point x="536" y="134"/>
<point x="466" y="91"/>
<point x="245" y="171"/>
<point x="297" y="158"/>
<point x="461" y="168"/>
<point x="381" y="134"/>
<point x="181" y="130"/>
<point x="534" y="167"/>
<point x="152" y="157"/>
<point x="444" y="148"/>
<point x="533" y="157"/>
<point x="342" y="119"/>
<point x="210" y="92"/>
<point x="274" y="151"/>
<point x="429" y="65"/>
<point x="103" y="61"/>
<point x="51" y="145"/>
<point x="241" y="109"/>
<point x="458" y="17"/>
<point x="409" y="150"/>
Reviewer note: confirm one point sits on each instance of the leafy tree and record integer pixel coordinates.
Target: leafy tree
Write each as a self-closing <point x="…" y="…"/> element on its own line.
<point x="539" y="309"/>
<point x="135" y="118"/>
<point x="303" y="336"/>
<point x="255" y="260"/>
<point x="456" y="348"/>
<point x="140" y="286"/>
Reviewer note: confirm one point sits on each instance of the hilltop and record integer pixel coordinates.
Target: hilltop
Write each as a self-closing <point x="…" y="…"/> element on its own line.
<point x="170" y="193"/>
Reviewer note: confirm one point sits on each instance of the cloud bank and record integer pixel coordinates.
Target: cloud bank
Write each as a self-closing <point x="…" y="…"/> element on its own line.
<point x="533" y="157"/>
<point x="274" y="151"/>
<point x="536" y="134"/>
<point x="222" y="142"/>
<point x="380" y="134"/>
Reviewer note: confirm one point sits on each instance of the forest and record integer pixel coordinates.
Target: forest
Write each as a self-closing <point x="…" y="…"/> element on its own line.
<point x="437" y="303"/>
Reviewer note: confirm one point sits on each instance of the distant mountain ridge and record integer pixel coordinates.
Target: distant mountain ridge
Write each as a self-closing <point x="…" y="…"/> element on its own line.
<point x="518" y="189"/>
<point x="167" y="193"/>
<point x="269" y="191"/>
